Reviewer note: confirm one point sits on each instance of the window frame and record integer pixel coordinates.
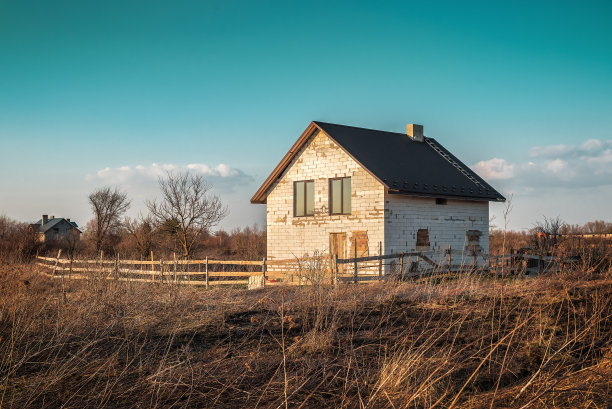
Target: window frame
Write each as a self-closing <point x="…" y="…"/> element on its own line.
<point x="331" y="207"/>
<point x="305" y="198"/>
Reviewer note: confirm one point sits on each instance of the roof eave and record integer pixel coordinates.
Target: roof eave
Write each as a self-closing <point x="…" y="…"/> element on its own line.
<point x="260" y="196"/>
<point x="446" y="196"/>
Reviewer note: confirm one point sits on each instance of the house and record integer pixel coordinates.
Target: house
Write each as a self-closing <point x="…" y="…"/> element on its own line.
<point x="345" y="190"/>
<point x="55" y="229"/>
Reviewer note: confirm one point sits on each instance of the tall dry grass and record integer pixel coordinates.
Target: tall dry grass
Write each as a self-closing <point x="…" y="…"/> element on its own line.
<point x="469" y="341"/>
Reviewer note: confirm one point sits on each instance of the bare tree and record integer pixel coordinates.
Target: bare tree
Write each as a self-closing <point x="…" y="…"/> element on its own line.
<point x="187" y="208"/>
<point x="597" y="226"/>
<point x="109" y="206"/>
<point x="142" y="232"/>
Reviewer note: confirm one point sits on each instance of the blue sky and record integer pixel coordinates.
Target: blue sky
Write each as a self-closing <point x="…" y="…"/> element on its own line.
<point x="98" y="93"/>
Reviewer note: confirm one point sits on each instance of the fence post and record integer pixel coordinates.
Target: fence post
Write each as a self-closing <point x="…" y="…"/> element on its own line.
<point x="263" y="272"/>
<point x="175" y="265"/>
<point x="450" y="259"/>
<point x="402" y="265"/>
<point x="186" y="269"/>
<point x="116" y="266"/>
<point x="161" y="271"/>
<point x="335" y="271"/>
<point x="380" y="260"/>
<point x="152" y="265"/>
<point x="59" y="253"/>
<point x="355" y="261"/>
<point x="207" y="285"/>
<point x="199" y="270"/>
<point x="331" y="269"/>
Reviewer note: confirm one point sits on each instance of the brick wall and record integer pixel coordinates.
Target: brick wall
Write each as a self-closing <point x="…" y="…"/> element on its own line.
<point x="319" y="160"/>
<point x="446" y="224"/>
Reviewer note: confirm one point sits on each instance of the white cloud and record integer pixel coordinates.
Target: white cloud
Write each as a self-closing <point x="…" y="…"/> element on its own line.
<point x="549" y="151"/>
<point x="494" y="169"/>
<point x="555" y="166"/>
<point x="221" y="176"/>
<point x="594" y="144"/>
<point x="567" y="166"/>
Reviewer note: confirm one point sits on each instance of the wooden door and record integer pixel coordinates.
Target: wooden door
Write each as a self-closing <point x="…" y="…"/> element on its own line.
<point x="337" y="247"/>
<point x="359" y="244"/>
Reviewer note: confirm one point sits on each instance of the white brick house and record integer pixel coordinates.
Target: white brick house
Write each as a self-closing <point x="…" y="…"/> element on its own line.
<point x="342" y="189"/>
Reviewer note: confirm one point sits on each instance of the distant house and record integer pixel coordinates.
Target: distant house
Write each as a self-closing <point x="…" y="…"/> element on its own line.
<point x="55" y="229"/>
<point x="347" y="190"/>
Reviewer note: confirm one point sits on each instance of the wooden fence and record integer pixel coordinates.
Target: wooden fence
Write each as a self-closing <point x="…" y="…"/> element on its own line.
<point x="308" y="270"/>
<point x="414" y="264"/>
<point x="206" y="272"/>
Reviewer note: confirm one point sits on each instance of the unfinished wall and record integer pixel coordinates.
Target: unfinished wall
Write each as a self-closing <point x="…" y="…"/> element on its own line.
<point x="446" y="223"/>
<point x="319" y="160"/>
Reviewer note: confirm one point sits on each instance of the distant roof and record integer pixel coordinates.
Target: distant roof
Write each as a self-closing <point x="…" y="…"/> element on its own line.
<point x="402" y="165"/>
<point x="52" y="222"/>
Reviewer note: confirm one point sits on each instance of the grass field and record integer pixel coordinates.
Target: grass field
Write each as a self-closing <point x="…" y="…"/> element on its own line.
<point x="471" y="342"/>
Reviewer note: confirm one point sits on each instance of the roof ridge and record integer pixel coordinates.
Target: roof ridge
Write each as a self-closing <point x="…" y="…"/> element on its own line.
<point x="358" y="127"/>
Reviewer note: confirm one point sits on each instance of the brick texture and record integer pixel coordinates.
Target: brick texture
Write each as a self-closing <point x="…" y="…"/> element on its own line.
<point x="319" y="160"/>
<point x="447" y="224"/>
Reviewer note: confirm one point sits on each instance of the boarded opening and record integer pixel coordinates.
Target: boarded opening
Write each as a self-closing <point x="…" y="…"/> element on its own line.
<point x="473" y="241"/>
<point x="422" y="241"/>
<point x="359" y="239"/>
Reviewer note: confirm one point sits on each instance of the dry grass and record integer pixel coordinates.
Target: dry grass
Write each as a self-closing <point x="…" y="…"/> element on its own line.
<point x="469" y="342"/>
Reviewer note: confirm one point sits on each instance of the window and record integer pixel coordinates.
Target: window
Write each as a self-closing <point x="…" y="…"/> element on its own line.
<point x="340" y="196"/>
<point x="303" y="198"/>
<point x="440" y="201"/>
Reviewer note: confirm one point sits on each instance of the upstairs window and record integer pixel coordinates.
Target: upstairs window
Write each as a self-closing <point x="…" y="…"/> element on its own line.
<point x="303" y="198"/>
<point x="340" y="196"/>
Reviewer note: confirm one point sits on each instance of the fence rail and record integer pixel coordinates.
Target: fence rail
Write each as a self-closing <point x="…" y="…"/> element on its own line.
<point x="257" y="273"/>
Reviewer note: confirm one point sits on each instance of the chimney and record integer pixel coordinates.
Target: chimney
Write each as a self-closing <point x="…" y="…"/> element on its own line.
<point x="415" y="132"/>
<point x="68" y="220"/>
<point x="52" y="217"/>
<point x="45" y="219"/>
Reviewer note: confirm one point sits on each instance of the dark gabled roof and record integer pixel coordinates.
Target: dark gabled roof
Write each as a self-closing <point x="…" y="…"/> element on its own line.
<point x="52" y="222"/>
<point x="404" y="166"/>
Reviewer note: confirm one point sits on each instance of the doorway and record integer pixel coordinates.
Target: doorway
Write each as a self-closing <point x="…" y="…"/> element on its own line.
<point x="337" y="247"/>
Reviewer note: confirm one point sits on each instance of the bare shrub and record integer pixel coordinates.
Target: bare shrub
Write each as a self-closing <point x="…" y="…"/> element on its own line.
<point x="18" y="243"/>
<point x="140" y="238"/>
<point x="471" y="342"/>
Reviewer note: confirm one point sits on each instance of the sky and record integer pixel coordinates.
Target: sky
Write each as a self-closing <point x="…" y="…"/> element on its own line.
<point x="116" y="92"/>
